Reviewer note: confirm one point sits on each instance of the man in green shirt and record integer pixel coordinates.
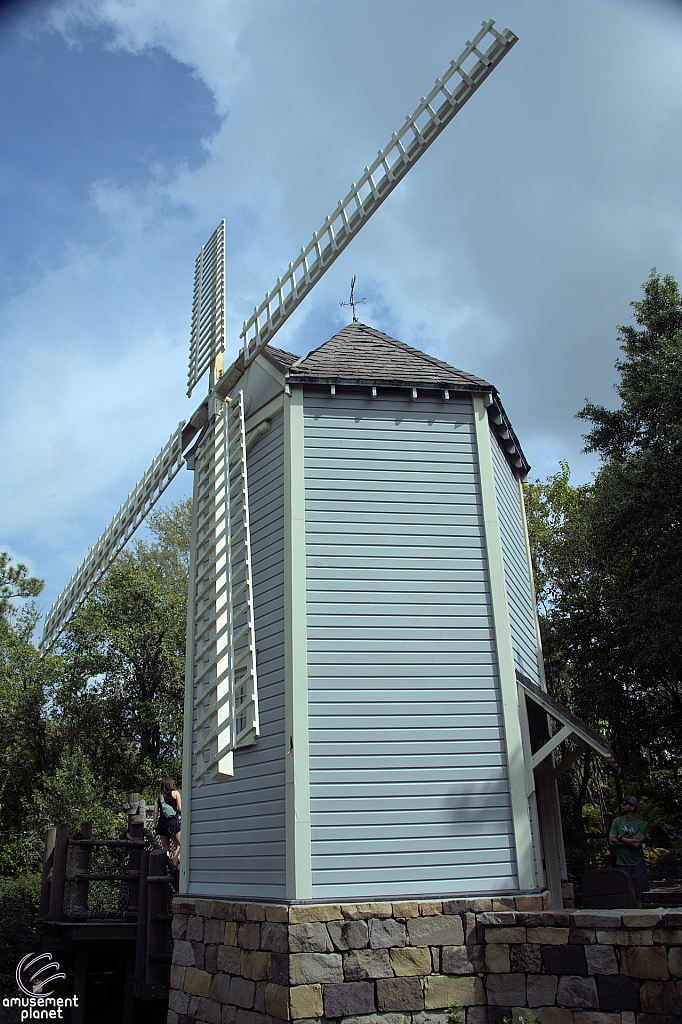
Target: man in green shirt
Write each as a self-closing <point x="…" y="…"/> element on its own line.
<point x="627" y="834"/>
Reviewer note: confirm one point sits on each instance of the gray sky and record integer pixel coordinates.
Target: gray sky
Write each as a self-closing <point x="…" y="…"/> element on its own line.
<point x="131" y="127"/>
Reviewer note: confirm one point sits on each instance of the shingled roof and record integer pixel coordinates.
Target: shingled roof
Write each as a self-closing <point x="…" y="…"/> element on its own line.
<point x="362" y="354"/>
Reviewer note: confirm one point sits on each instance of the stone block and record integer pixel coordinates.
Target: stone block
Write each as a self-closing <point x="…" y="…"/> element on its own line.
<point x="564" y="959"/>
<point x="278" y="914"/>
<point x="548" y="936"/>
<point x="221" y="910"/>
<point x="506" y="990"/>
<point x="172" y="1017"/>
<point x="503" y="903"/>
<point x="204" y="1010"/>
<point x="463" y="959"/>
<point x="214" y="930"/>
<point x="195" y="929"/>
<point x="365" y="911"/>
<point x="230" y="937"/>
<point x="528" y="903"/>
<point x="597" y="918"/>
<point x="177" y="976"/>
<point x="601" y="960"/>
<point x="179" y="926"/>
<point x="315" y="968"/>
<point x="402" y="994"/>
<point x="211" y="959"/>
<point x="649" y="962"/>
<point x="377" y="1018"/>
<point x="178" y="1001"/>
<point x="220" y="988"/>
<point x="475" y="1015"/>
<point x="582" y="936"/>
<point x="280" y="968"/>
<point x="203" y="907"/>
<point x="616" y="992"/>
<point x="311" y="937"/>
<point x="324" y="912"/>
<point x="403" y="911"/>
<point x="259" y="1000"/>
<point x="435" y="957"/>
<point x="499" y="1014"/>
<point x="668" y="936"/>
<point x="274" y="936"/>
<point x="626" y="937"/>
<point x="238" y="912"/>
<point x="199" y="954"/>
<point x="426" y="1017"/>
<point x="440" y="992"/>
<point x="305" y="1001"/>
<point x="435" y="931"/>
<point x="242" y="992"/>
<point x="541" y="989"/>
<point x="355" y="997"/>
<point x="641" y="918"/>
<point x="410" y="961"/>
<point x="507" y="935"/>
<point x="595" y="1017"/>
<point x="578" y="993"/>
<point x="675" y="961"/>
<point x="661" y="997"/>
<point x="256" y="964"/>
<point x="183" y="954"/>
<point x="362" y="964"/>
<point x="277" y="1001"/>
<point x="350" y="934"/>
<point x="497" y="959"/>
<point x="544" y="919"/>
<point x="554" y="1015"/>
<point x="183" y="905"/>
<point x="255" y="912"/>
<point x="653" y="1018"/>
<point x="197" y="983"/>
<point x="248" y="935"/>
<point x="247" y="1017"/>
<point x="229" y="959"/>
<point x="525" y="958"/>
<point x="430" y="908"/>
<point x="386" y="932"/>
<point x="470" y="929"/>
<point x="671" y="918"/>
<point x="501" y="919"/>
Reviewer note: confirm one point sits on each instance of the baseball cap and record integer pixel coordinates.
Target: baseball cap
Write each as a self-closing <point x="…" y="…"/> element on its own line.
<point x="631" y="800"/>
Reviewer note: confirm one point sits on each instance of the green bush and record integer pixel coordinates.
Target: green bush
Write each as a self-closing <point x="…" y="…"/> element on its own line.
<point x="19" y="901"/>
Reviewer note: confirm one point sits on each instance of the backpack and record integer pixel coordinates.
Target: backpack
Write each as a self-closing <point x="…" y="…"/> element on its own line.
<point x="167" y="810"/>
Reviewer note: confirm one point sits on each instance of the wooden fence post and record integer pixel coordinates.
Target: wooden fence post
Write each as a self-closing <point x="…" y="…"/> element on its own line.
<point x="83" y="867"/>
<point x="61" y="847"/>
<point x="46" y="881"/>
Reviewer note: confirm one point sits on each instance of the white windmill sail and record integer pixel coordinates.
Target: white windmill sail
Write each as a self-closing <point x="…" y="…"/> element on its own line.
<point x="207" y="339"/>
<point x="119" y="531"/>
<point x="434" y="113"/>
<point x="223" y="654"/>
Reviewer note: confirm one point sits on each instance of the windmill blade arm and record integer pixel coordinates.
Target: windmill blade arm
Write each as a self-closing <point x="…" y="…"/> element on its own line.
<point x="119" y="531"/>
<point x="405" y="147"/>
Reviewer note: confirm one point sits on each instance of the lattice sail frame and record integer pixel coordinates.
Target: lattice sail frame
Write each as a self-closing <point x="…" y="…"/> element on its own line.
<point x="163" y="469"/>
<point x="224" y="663"/>
<point x="377" y="182"/>
<point x="207" y="337"/>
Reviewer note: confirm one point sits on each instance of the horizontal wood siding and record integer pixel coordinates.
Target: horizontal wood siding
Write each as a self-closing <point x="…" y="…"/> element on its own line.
<point x="238" y="842"/>
<point x="409" y="790"/>
<point x="519" y="594"/>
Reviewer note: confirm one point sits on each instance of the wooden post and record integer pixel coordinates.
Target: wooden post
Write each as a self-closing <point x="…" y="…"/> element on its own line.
<point x="46" y="881"/>
<point x="141" y="930"/>
<point x="135" y="831"/>
<point x="157" y="918"/>
<point x="83" y="866"/>
<point x="61" y="846"/>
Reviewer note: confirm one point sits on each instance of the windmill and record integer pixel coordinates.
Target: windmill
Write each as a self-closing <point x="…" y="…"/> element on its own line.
<point x="221" y="605"/>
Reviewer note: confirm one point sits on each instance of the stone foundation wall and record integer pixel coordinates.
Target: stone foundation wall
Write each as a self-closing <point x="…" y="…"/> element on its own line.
<point x="405" y="962"/>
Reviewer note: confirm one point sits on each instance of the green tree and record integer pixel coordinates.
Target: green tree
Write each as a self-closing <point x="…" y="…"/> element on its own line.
<point x="15" y="582"/>
<point x="121" y="699"/>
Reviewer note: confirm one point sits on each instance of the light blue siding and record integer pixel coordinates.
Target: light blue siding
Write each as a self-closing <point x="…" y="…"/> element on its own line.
<point x="409" y="789"/>
<point x="517" y="579"/>
<point x="238" y="832"/>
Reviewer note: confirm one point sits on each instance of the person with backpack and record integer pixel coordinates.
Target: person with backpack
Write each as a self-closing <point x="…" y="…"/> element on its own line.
<point x="167" y="807"/>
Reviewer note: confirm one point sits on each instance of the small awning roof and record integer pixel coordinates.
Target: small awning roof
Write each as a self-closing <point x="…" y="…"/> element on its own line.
<point x="572" y="728"/>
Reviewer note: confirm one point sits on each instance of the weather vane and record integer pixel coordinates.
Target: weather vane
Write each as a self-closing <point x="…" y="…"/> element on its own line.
<point x="353" y="302"/>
